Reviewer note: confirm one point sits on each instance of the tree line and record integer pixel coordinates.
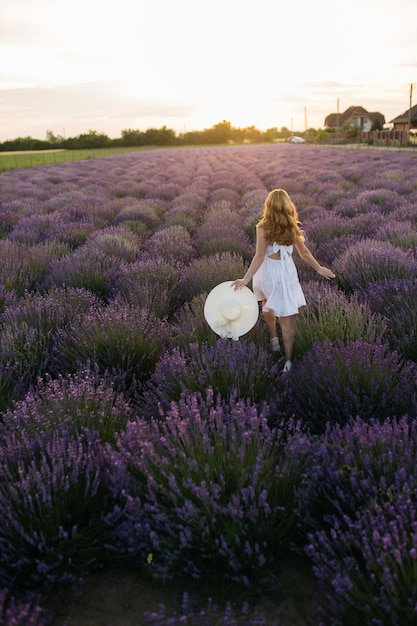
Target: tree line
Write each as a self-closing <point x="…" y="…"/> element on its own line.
<point x="220" y="133"/>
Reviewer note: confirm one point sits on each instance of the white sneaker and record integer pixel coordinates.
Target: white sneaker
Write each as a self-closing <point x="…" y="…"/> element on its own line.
<point x="274" y="342"/>
<point x="287" y="366"/>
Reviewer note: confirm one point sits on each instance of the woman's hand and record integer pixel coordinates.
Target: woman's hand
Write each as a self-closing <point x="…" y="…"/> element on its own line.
<point x="238" y="284"/>
<point x="325" y="272"/>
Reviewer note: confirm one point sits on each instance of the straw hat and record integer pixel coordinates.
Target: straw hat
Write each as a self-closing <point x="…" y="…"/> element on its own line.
<point x="231" y="313"/>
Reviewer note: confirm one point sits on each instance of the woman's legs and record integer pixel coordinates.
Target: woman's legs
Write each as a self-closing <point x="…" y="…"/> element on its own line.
<point x="288" y="335"/>
<point x="270" y="321"/>
<point x="287" y="325"/>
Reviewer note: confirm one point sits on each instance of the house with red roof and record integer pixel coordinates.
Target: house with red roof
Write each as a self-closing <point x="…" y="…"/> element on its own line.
<point x="408" y="117"/>
<point x="356" y="117"/>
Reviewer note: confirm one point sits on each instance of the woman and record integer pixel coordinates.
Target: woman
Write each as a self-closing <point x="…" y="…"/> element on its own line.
<point x="274" y="274"/>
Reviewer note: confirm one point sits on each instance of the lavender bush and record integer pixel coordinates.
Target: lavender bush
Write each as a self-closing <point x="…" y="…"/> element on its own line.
<point x="28" y="332"/>
<point x="25" y="352"/>
<point x="13" y="384"/>
<point x="222" y="231"/>
<point x="335" y="382"/>
<point x="8" y="297"/>
<point x="215" y="485"/>
<point x="8" y="219"/>
<point x="360" y="513"/>
<point x="400" y="234"/>
<point x="182" y="216"/>
<point x="224" y="194"/>
<point x="151" y="284"/>
<point x="31" y="324"/>
<point x="381" y="200"/>
<point x="366" y="225"/>
<point x="227" y="367"/>
<point x="215" y="240"/>
<point x="330" y="234"/>
<point x="205" y="273"/>
<point x="140" y="217"/>
<point x="165" y="191"/>
<point x="52" y="500"/>
<point x="370" y="261"/>
<point x="87" y="268"/>
<point x="23" y="267"/>
<point x="327" y="226"/>
<point x="356" y="466"/>
<point x="331" y="315"/>
<point x="186" y="209"/>
<point x="82" y="401"/>
<point x="366" y="569"/>
<point x="123" y="341"/>
<point x="395" y="299"/>
<point x="172" y="244"/>
<point x="189" y="324"/>
<point x="38" y="228"/>
<point x="117" y="241"/>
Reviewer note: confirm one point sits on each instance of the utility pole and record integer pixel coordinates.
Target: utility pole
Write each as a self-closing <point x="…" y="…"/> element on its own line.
<point x="409" y="110"/>
<point x="337" y="118"/>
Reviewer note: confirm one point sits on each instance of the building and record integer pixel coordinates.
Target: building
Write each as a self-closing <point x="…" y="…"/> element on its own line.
<point x="409" y="117"/>
<point x="356" y="117"/>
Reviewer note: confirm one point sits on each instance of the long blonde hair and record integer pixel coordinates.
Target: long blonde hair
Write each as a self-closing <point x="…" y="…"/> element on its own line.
<point x="280" y="219"/>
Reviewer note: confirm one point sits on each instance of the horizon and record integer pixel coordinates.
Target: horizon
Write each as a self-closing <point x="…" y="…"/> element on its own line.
<point x="177" y="134"/>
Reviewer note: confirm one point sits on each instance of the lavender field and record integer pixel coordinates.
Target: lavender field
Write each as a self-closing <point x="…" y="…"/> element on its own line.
<point x="131" y="434"/>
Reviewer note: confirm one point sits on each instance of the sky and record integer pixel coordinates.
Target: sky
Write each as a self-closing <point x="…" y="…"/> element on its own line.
<point x="70" y="66"/>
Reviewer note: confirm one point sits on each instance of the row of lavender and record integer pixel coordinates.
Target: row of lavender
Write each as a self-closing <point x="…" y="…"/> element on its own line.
<point x="139" y="435"/>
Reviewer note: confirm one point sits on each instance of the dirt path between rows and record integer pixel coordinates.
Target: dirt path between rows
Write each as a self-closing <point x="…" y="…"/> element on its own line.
<point x="121" y="598"/>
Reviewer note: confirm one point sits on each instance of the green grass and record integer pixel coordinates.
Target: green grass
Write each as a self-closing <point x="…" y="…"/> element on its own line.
<point x="20" y="160"/>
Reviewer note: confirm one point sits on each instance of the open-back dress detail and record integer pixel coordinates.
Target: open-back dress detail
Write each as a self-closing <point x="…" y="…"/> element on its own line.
<point x="276" y="282"/>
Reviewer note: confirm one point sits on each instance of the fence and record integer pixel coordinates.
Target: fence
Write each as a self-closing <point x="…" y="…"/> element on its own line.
<point x="386" y="137"/>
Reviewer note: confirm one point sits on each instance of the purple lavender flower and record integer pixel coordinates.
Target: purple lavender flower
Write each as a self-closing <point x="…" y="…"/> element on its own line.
<point x="208" y="615"/>
<point x="369" y="261"/>
<point x="401" y="234"/>
<point x="24" y="267"/>
<point x="222" y="231"/>
<point x="21" y="612"/>
<point x="227" y="367"/>
<point x="123" y="341"/>
<point x="206" y="272"/>
<point x="173" y="244"/>
<point x="82" y="401"/>
<point x="117" y="241"/>
<point x="366" y="567"/>
<point x="151" y="283"/>
<point x="331" y="315"/>
<point x="52" y="501"/>
<point x="335" y="382"/>
<point x="141" y="217"/>
<point x="358" y="465"/>
<point x="215" y="485"/>
<point x="395" y="300"/>
<point x="86" y="268"/>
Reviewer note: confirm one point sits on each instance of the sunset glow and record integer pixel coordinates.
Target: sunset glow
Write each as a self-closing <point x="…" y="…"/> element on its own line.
<point x="107" y="65"/>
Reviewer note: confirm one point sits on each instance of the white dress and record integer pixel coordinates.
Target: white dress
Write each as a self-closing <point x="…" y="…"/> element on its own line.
<point x="276" y="282"/>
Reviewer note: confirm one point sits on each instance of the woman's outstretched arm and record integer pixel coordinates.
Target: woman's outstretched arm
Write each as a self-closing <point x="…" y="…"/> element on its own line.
<point x="306" y="255"/>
